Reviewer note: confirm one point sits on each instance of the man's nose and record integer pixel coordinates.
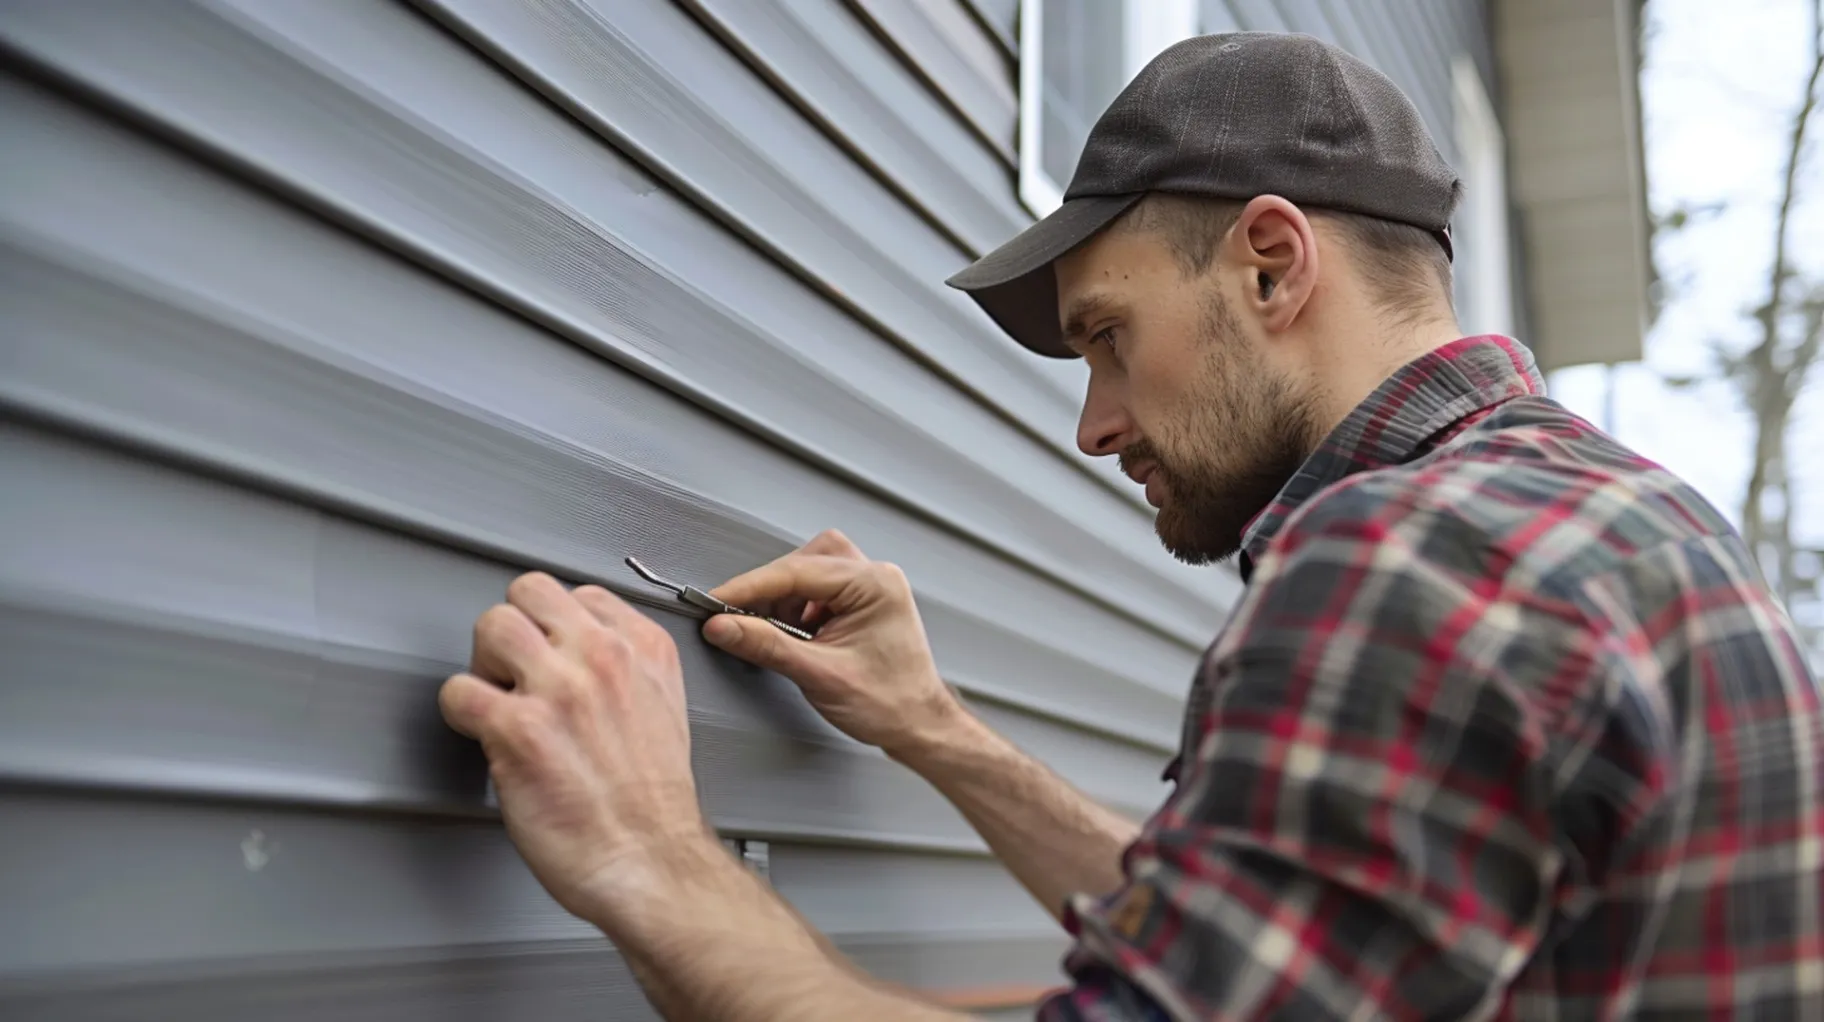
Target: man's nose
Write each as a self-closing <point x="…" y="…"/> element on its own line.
<point x="1103" y="427"/>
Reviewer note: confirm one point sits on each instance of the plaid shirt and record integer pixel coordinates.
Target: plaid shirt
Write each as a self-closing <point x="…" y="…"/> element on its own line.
<point x="1505" y="726"/>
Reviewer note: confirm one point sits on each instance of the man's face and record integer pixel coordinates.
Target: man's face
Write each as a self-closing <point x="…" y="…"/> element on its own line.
<point x="1181" y="389"/>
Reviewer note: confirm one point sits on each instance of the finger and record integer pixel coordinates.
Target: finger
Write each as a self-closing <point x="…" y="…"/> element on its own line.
<point x="759" y="643"/>
<point x="831" y="543"/>
<point x="550" y="605"/>
<point x="797" y="609"/>
<point x="607" y="608"/>
<point x="811" y="616"/>
<point x="508" y="646"/>
<point x="470" y="704"/>
<point x="823" y="578"/>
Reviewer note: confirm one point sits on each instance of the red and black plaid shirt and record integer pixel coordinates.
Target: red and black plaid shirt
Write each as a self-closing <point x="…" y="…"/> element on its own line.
<point x="1505" y="726"/>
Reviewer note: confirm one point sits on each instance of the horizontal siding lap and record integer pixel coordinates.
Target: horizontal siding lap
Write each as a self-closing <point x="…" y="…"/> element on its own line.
<point x="817" y="53"/>
<point x="558" y="983"/>
<point x="126" y="679"/>
<point x="844" y="354"/>
<point x="597" y="284"/>
<point x="133" y="676"/>
<point x="656" y="85"/>
<point x="1216" y="16"/>
<point x="304" y="434"/>
<point x="1350" y="36"/>
<point x="295" y="385"/>
<point x="1001" y="19"/>
<point x="1258" y="15"/>
<point x="570" y="981"/>
<point x="1307" y="16"/>
<point x="324" y="320"/>
<point x="958" y="60"/>
<point x="409" y="919"/>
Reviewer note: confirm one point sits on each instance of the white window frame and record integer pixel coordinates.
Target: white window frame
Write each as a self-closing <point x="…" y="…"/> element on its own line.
<point x="1480" y="235"/>
<point x="1148" y="26"/>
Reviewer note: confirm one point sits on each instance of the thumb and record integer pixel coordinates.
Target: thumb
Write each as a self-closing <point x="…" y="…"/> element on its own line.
<point x="820" y="577"/>
<point x="757" y="642"/>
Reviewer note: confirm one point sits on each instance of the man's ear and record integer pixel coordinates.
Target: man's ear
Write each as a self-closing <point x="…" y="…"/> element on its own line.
<point x="1274" y="245"/>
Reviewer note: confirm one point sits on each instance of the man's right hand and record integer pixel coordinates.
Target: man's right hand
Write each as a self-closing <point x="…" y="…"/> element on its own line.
<point x="869" y="670"/>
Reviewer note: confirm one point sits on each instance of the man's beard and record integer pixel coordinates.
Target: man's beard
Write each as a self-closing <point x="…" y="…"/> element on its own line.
<point x="1225" y="458"/>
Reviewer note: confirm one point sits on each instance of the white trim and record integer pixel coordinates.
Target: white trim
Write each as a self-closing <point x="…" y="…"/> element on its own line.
<point x="1037" y="190"/>
<point x="1148" y="27"/>
<point x="1153" y="25"/>
<point x="1483" y="252"/>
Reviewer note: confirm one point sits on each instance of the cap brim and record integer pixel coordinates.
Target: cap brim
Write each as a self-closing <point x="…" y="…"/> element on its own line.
<point x="1014" y="284"/>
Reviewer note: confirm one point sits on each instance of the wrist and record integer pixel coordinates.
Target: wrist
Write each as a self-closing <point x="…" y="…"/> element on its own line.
<point x="691" y="912"/>
<point x="651" y="881"/>
<point x="947" y="732"/>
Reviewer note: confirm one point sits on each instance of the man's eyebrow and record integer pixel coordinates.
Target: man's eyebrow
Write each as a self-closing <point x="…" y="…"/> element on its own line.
<point x="1076" y="316"/>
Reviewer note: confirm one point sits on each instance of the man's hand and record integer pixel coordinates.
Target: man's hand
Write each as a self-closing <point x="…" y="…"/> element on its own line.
<point x="869" y="671"/>
<point x="578" y="701"/>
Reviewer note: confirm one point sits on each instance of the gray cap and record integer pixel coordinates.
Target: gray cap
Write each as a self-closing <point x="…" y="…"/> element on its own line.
<point x="1229" y="116"/>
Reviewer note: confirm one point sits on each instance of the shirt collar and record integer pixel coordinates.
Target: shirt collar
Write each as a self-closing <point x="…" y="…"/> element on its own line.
<point x="1423" y="398"/>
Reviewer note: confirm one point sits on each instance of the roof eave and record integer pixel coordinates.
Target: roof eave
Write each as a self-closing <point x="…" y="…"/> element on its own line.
<point x="1571" y="113"/>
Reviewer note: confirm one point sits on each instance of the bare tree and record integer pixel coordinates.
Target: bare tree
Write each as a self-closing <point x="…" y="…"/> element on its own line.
<point x="1772" y="374"/>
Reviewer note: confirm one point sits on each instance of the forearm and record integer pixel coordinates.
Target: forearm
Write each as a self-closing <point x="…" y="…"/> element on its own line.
<point x="1050" y="835"/>
<point x="707" y="939"/>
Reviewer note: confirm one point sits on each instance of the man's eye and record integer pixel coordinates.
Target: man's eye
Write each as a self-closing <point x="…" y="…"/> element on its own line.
<point x="1106" y="335"/>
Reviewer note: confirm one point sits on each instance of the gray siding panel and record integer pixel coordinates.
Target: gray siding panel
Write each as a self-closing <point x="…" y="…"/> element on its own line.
<point x="1258" y="15"/>
<point x="957" y="58"/>
<point x="195" y="911"/>
<point x="1307" y="16"/>
<point x="1216" y="16"/>
<point x="817" y="53"/>
<point x="556" y="982"/>
<point x="1002" y="19"/>
<point x="318" y="322"/>
<point x="303" y="666"/>
<point x="373" y="404"/>
<point x="783" y="368"/>
<point x="717" y="134"/>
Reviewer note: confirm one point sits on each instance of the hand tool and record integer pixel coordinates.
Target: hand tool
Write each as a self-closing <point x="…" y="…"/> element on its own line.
<point x="703" y="601"/>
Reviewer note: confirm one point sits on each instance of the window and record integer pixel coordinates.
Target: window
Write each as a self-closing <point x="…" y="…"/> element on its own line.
<point x="1479" y="234"/>
<point x="1075" y="57"/>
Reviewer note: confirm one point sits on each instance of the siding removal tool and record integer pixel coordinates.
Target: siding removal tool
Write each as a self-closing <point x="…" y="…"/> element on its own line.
<point x="703" y="601"/>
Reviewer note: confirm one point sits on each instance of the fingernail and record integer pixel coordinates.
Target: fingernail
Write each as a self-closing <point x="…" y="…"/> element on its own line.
<point x="720" y="630"/>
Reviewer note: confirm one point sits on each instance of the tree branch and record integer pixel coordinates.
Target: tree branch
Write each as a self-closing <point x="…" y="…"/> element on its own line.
<point x="1793" y="154"/>
<point x="1766" y="385"/>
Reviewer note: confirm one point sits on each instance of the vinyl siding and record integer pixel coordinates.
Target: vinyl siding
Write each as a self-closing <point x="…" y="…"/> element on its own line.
<point x="947" y="44"/>
<point x="321" y="321"/>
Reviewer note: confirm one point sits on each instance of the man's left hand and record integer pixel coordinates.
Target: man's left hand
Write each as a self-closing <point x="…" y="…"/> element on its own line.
<point x="578" y="701"/>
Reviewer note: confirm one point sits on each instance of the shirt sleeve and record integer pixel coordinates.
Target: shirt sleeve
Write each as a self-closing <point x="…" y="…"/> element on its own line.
<point x="1362" y="829"/>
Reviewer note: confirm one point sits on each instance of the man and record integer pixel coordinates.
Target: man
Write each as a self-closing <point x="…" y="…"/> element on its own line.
<point x="1505" y="724"/>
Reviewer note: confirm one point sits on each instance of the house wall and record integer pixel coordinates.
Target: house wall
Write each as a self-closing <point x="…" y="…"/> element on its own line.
<point x="319" y="322"/>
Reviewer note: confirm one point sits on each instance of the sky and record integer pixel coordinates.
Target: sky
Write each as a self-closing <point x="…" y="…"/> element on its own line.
<point x="1721" y="83"/>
